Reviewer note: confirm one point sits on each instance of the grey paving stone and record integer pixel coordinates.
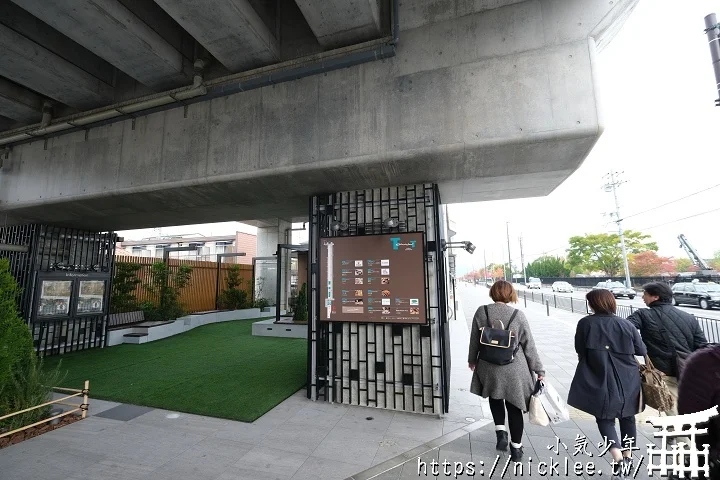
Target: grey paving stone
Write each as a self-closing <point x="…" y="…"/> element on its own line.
<point x="269" y="460"/>
<point x="349" y="446"/>
<point x="124" y="412"/>
<point x="316" y="468"/>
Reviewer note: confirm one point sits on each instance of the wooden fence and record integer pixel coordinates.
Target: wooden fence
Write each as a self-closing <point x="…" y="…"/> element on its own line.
<point x="199" y="295"/>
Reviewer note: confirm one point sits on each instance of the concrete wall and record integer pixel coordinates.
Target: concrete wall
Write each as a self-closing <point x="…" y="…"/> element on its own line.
<point x="494" y="99"/>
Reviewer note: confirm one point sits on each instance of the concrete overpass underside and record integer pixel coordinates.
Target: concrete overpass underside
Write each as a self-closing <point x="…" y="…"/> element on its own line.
<point x="490" y="99"/>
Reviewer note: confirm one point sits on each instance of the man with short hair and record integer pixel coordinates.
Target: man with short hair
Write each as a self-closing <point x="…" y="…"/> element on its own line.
<point x="667" y="331"/>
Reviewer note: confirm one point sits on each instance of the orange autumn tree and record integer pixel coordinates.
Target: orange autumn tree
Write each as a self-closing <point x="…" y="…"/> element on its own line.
<point x="649" y="263"/>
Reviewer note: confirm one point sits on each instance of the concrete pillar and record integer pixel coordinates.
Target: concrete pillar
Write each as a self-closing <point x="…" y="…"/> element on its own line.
<point x="269" y="237"/>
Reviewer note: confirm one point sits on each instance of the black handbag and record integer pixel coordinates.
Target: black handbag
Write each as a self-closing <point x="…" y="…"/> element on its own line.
<point x="497" y="345"/>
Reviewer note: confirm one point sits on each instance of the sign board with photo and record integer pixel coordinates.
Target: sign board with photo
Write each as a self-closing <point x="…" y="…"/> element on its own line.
<point x="373" y="278"/>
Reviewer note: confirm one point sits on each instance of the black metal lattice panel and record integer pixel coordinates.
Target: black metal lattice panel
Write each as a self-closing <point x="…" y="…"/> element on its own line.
<point x="59" y="248"/>
<point x="394" y="366"/>
<point x="21" y="263"/>
<point x="59" y="336"/>
<point x="79" y="249"/>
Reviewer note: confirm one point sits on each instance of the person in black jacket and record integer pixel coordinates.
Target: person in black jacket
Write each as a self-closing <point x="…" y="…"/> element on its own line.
<point x="607" y="379"/>
<point x="666" y="331"/>
<point x="700" y="390"/>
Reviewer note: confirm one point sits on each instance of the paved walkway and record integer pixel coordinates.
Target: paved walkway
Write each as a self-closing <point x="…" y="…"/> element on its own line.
<point x="554" y="336"/>
<point x="300" y="439"/>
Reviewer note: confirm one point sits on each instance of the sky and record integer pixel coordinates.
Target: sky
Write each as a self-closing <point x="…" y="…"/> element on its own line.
<point x="662" y="131"/>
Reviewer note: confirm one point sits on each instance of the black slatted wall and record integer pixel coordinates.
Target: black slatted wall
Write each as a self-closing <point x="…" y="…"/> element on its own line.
<point x="394" y="366"/>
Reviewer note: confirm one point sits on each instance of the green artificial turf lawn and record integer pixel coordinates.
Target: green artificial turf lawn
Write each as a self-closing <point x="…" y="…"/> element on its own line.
<point x="219" y="370"/>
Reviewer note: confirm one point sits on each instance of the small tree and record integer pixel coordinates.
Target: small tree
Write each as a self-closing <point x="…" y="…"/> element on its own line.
<point x="301" y="307"/>
<point x="234" y="297"/>
<point x="124" y="287"/>
<point x="166" y="288"/>
<point x="23" y="383"/>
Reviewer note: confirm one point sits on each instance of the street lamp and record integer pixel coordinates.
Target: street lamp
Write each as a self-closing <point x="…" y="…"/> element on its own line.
<point x="467" y="246"/>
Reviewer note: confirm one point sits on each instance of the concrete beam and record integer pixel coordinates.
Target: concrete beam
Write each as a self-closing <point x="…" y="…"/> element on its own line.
<point x="29" y="64"/>
<point x="229" y="29"/>
<point x="496" y="104"/>
<point x="19" y="104"/>
<point x="342" y="23"/>
<point x="5" y="124"/>
<point x="111" y="31"/>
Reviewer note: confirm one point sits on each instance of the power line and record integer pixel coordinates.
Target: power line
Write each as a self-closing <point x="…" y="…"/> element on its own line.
<point x="681" y="219"/>
<point x="674" y="201"/>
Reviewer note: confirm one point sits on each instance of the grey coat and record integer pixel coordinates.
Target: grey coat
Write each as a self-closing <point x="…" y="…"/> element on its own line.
<point x="513" y="382"/>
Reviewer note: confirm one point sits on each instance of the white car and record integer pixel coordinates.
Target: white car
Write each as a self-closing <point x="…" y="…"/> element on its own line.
<point x="562" y="287"/>
<point x="534" y="283"/>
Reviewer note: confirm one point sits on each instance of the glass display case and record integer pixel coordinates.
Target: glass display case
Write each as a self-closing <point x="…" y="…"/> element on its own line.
<point x="91" y="296"/>
<point x="68" y="294"/>
<point x="55" y="298"/>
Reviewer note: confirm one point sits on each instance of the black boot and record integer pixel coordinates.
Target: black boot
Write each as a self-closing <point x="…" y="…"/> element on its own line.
<point x="516" y="454"/>
<point x="502" y="440"/>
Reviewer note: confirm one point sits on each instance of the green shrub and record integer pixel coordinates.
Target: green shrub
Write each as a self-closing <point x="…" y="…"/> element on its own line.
<point x="30" y="385"/>
<point x="22" y="381"/>
<point x="261" y="303"/>
<point x="301" y="306"/>
<point x="165" y="287"/>
<point x="124" y="286"/>
<point x="234" y="297"/>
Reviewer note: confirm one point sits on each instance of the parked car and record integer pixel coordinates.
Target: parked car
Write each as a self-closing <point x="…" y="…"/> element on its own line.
<point x="617" y="289"/>
<point x="562" y="287"/>
<point x="704" y="295"/>
<point x="534" y="283"/>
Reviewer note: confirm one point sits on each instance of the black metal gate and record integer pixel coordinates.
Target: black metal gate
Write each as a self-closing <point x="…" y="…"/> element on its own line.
<point x="395" y="366"/>
<point x="75" y="255"/>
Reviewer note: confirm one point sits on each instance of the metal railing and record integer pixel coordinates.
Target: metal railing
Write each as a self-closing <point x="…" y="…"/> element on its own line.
<point x="711" y="326"/>
<point x="82" y="407"/>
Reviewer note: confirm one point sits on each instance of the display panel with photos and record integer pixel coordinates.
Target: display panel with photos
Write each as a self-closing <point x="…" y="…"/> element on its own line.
<point x="54" y="298"/>
<point x="91" y="296"/>
<point x="373" y="278"/>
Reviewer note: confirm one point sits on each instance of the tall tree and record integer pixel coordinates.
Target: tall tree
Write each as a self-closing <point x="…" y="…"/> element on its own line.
<point x="682" y="264"/>
<point x="602" y="251"/>
<point x="715" y="261"/>
<point x="548" y="266"/>
<point x="647" y="264"/>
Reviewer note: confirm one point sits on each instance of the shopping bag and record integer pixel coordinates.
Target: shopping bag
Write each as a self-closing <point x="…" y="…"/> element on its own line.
<point x="536" y="412"/>
<point x="553" y="404"/>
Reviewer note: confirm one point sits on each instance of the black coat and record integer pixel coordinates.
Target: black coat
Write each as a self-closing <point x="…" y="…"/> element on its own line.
<point x="607" y="380"/>
<point x="683" y="330"/>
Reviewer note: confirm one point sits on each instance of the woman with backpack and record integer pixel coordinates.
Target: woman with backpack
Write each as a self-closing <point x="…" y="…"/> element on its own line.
<point x="503" y="357"/>
<point x="607" y="379"/>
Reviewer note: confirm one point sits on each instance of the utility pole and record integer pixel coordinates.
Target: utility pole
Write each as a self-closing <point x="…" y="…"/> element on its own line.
<point x="712" y="29"/>
<point x="522" y="259"/>
<point x="612" y="186"/>
<point x="507" y="225"/>
<point x="485" y="272"/>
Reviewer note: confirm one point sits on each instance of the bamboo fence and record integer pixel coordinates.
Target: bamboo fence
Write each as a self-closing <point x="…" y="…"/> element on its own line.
<point x="82" y="407"/>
